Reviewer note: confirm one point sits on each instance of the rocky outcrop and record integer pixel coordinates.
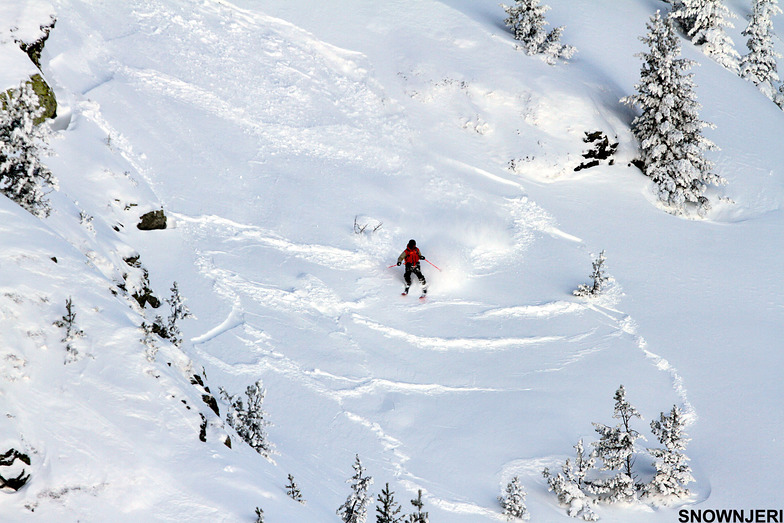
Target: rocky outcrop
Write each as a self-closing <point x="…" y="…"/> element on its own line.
<point x="152" y="220"/>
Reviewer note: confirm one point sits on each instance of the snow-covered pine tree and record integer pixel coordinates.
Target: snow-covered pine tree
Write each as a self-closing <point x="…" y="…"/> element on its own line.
<point x="148" y="340"/>
<point x="527" y="21"/>
<point x="582" y="464"/>
<point x="759" y="65"/>
<point x="178" y="312"/>
<point x="418" y="516"/>
<point x="704" y="22"/>
<point x="388" y="509"/>
<point x="569" y="483"/>
<point x="616" y="448"/>
<point x="250" y="423"/>
<point x="669" y="129"/>
<point x="292" y="490"/>
<point x="72" y="332"/>
<point x="672" y="469"/>
<point x="598" y="277"/>
<point x="513" y="501"/>
<point x="354" y="510"/>
<point x="23" y="178"/>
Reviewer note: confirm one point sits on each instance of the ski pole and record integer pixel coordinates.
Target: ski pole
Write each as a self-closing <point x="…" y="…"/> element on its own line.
<point x="395" y="265"/>
<point x="428" y="261"/>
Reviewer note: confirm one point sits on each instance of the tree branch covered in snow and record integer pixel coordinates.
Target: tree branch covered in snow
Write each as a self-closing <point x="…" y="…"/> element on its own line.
<point x="355" y="508"/>
<point x="527" y="21"/>
<point x="249" y="421"/>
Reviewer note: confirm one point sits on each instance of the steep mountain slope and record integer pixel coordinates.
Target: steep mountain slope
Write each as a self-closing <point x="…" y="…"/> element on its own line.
<point x="265" y="132"/>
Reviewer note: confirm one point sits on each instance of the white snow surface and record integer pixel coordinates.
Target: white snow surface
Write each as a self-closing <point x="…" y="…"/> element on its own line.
<point x="263" y="129"/>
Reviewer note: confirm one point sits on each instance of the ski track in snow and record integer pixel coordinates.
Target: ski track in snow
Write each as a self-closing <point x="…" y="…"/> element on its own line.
<point x="545" y="310"/>
<point x="251" y="236"/>
<point x="311" y="297"/>
<point x="314" y="298"/>
<point x="448" y="344"/>
<point x="626" y="325"/>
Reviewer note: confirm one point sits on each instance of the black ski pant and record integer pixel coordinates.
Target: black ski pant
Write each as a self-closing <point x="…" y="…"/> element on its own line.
<point x="411" y="268"/>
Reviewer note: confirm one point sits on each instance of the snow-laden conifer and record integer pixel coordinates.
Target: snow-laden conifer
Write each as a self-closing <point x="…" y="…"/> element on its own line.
<point x="354" y="510"/>
<point x="569" y="484"/>
<point x="388" y="509"/>
<point x="526" y="19"/>
<point x="616" y="448"/>
<point x="23" y="178"/>
<point x="513" y="501"/>
<point x="598" y="277"/>
<point x="72" y="332"/>
<point x="250" y="422"/>
<point x="672" y="469"/>
<point x="293" y="491"/>
<point x="178" y="312"/>
<point x="148" y="340"/>
<point x="759" y="65"/>
<point x="669" y="128"/>
<point x="419" y="515"/>
<point x="704" y="22"/>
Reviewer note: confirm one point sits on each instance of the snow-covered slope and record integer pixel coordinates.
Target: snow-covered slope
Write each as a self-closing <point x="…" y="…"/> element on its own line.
<point x="264" y="130"/>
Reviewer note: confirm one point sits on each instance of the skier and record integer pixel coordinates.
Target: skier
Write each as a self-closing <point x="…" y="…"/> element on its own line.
<point x="412" y="256"/>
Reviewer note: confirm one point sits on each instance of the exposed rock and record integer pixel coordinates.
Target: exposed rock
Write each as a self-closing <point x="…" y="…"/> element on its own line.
<point x="602" y="150"/>
<point x="46" y="98"/>
<point x="152" y="220"/>
<point x="8" y="461"/>
<point x="34" y="49"/>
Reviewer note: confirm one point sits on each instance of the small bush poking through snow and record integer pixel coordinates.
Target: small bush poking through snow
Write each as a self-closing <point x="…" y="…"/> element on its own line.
<point x="598" y="277"/>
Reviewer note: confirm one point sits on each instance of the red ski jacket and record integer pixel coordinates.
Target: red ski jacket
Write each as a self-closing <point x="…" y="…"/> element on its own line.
<point x="411" y="256"/>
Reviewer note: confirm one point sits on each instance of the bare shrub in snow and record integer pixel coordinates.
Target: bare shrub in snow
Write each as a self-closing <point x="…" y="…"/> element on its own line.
<point x="362" y="228"/>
